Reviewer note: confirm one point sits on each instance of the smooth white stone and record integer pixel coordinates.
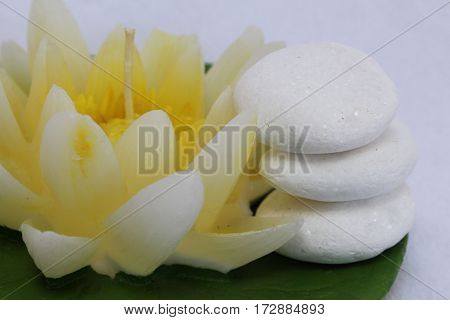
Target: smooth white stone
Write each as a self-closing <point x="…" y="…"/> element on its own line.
<point x="349" y="111"/>
<point x="362" y="173"/>
<point x="343" y="232"/>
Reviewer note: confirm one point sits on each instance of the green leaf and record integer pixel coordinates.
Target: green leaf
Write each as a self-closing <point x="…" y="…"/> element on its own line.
<point x="271" y="277"/>
<point x="207" y="67"/>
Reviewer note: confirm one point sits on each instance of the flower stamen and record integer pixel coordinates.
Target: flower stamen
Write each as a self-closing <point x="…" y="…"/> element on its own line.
<point x="128" y="75"/>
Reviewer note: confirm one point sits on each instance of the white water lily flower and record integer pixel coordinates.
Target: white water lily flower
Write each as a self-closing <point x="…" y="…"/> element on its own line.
<point x="69" y="172"/>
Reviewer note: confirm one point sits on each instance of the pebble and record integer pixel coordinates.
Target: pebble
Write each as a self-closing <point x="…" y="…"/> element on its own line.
<point x="339" y="106"/>
<point x="343" y="232"/>
<point x="369" y="171"/>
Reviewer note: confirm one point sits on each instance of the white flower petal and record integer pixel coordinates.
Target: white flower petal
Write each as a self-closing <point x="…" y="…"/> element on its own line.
<point x="150" y="137"/>
<point x="17" y="203"/>
<point x="57" y="255"/>
<point x="55" y="20"/>
<point x="81" y="169"/>
<point x="227" y="67"/>
<point x="15" y="61"/>
<point x="250" y="239"/>
<point x="227" y="154"/>
<point x="104" y="265"/>
<point x="145" y="231"/>
<point x="57" y="100"/>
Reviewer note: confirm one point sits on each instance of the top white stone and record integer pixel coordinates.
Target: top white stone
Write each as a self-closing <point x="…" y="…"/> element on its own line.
<point x="340" y="94"/>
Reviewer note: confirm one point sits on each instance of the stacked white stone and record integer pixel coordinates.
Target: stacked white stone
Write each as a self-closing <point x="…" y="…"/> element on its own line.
<point x="341" y="160"/>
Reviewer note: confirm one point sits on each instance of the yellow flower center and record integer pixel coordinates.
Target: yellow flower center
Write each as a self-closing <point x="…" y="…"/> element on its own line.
<point x="113" y="115"/>
<point x="114" y="128"/>
<point x="117" y="91"/>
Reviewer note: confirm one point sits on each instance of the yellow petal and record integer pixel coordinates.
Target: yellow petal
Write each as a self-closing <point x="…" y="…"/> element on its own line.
<point x="225" y="70"/>
<point x="257" y="187"/>
<point x="12" y="142"/>
<point x="16" y="97"/>
<point x="50" y="68"/>
<point x="254" y="163"/>
<point x="57" y="255"/>
<point x="17" y="203"/>
<point x="222" y="110"/>
<point x="15" y="61"/>
<point x="234" y="210"/>
<point x="57" y="24"/>
<point x="82" y="172"/>
<point x="175" y="64"/>
<point x="160" y="53"/>
<point x="146" y="230"/>
<point x="146" y="150"/>
<point x="247" y="240"/>
<point x="15" y="152"/>
<point x="221" y="163"/>
<point x="106" y="80"/>
<point x="247" y="190"/>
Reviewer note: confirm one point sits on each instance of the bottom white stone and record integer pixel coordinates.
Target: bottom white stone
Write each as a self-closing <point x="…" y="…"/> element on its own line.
<point x="343" y="232"/>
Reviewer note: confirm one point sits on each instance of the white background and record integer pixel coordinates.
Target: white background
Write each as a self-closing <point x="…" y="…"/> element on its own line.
<point x="221" y="309"/>
<point x="418" y="62"/>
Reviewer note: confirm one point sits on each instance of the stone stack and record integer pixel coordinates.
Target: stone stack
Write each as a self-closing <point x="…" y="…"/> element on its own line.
<point x="338" y="156"/>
